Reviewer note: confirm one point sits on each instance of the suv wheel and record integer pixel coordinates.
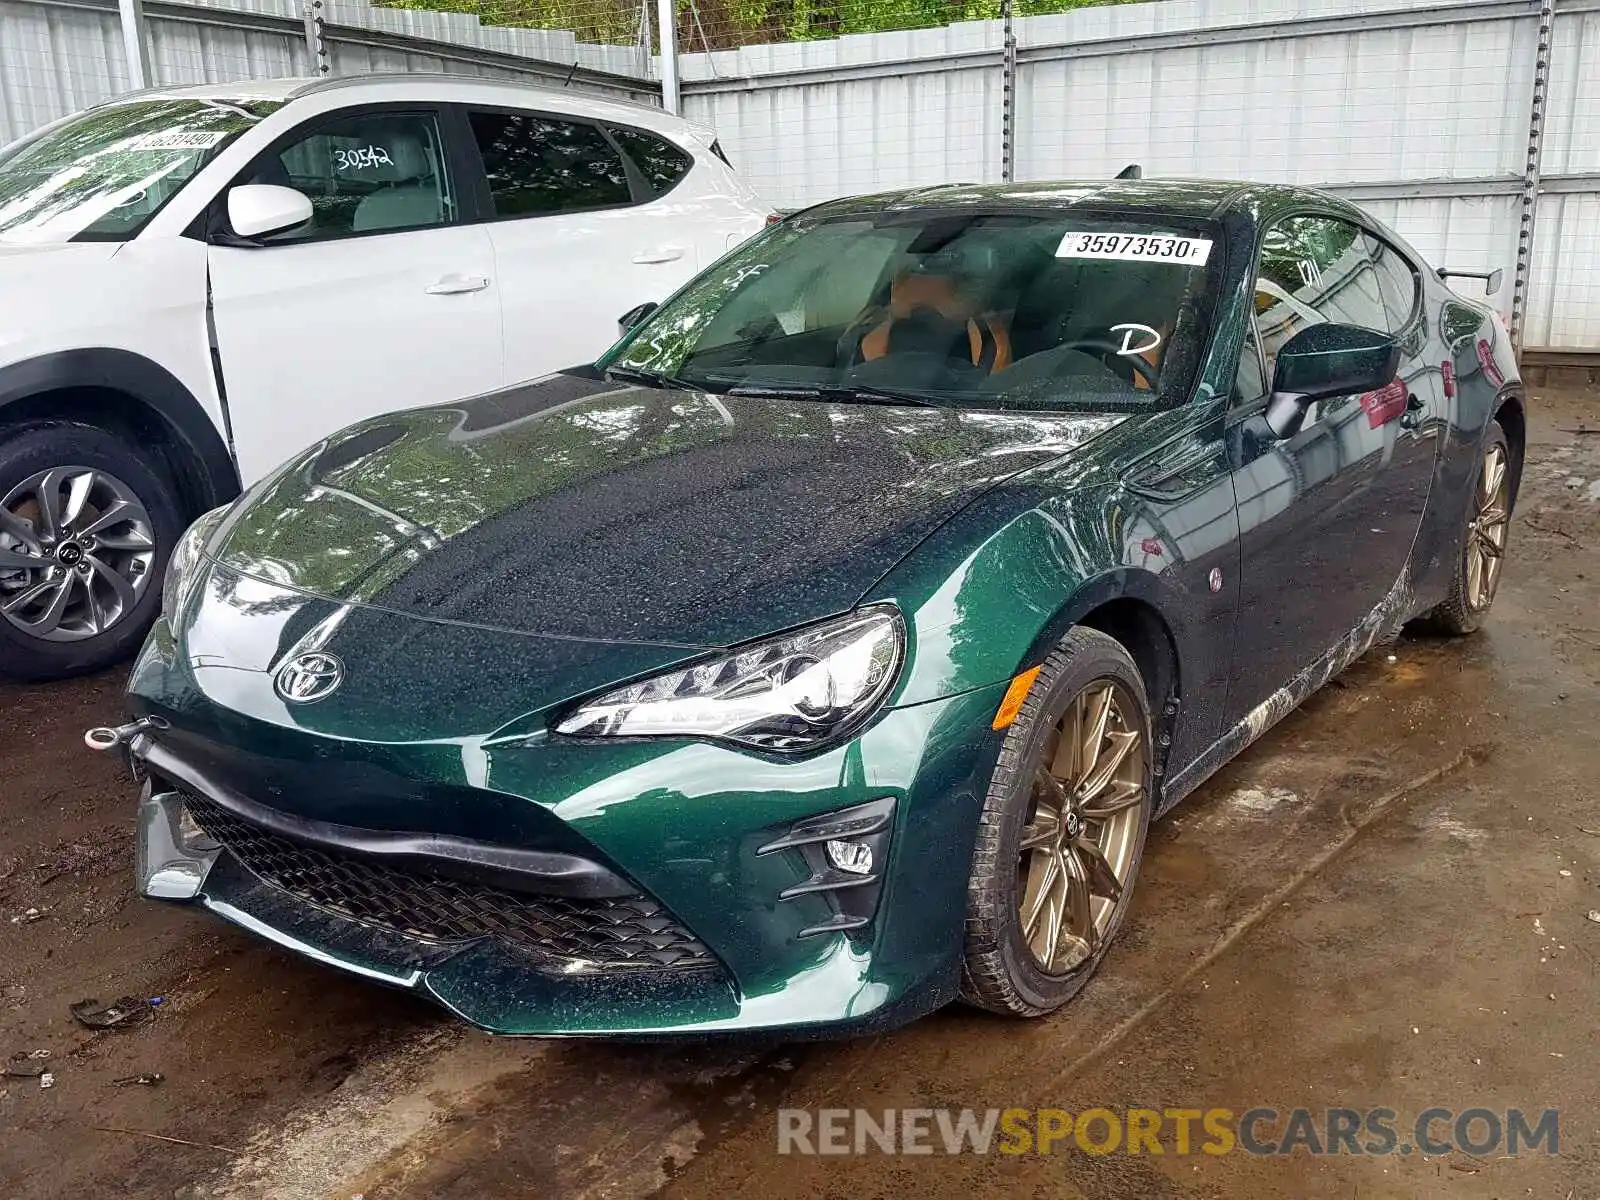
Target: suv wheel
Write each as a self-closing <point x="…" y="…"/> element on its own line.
<point x="86" y="525"/>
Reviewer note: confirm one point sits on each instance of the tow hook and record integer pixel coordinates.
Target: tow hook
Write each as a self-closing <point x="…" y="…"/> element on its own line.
<point x="104" y="737"/>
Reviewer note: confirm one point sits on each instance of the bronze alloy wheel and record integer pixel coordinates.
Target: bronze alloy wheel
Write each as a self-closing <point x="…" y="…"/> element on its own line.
<point x="1487" y="522"/>
<point x="1061" y="830"/>
<point x="1083" y="828"/>
<point x="1486" y="531"/>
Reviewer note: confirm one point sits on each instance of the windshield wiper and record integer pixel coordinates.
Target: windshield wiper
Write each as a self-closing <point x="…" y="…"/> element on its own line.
<point x="654" y="379"/>
<point x="838" y="393"/>
<point x="868" y="394"/>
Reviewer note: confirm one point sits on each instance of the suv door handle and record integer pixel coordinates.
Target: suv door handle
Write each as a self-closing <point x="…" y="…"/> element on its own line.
<point x="661" y="254"/>
<point x="455" y="285"/>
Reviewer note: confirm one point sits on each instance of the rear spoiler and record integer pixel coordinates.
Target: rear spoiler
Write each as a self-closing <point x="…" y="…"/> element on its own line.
<point x="1491" y="279"/>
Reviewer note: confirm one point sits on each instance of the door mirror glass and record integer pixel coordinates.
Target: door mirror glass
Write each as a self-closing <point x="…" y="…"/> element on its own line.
<point x="635" y="314"/>
<point x="260" y="209"/>
<point x="1325" y="361"/>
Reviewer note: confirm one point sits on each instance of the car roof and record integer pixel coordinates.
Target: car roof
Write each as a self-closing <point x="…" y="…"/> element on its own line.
<point x="1202" y="198"/>
<point x="430" y="86"/>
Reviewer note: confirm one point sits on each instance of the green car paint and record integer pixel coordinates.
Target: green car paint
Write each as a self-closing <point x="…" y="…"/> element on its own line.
<point x="479" y="568"/>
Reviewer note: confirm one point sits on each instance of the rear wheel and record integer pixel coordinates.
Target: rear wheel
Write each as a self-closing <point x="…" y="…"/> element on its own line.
<point x="1062" y="831"/>
<point x="86" y="525"/>
<point x="1477" y="576"/>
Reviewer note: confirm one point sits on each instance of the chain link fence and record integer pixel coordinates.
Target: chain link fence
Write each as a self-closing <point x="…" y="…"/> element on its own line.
<point x="602" y="22"/>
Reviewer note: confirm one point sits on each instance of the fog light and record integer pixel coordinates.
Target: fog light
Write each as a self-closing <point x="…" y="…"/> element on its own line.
<point x="854" y="857"/>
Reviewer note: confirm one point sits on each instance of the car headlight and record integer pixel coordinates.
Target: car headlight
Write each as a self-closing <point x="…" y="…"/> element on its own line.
<point x="185" y="558"/>
<point x="789" y="693"/>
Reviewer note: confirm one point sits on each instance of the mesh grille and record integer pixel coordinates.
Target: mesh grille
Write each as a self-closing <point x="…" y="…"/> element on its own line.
<point x="625" y="933"/>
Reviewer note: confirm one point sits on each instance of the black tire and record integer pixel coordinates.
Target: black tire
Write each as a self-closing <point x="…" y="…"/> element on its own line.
<point x="39" y="446"/>
<point x="1457" y="616"/>
<point x="999" y="972"/>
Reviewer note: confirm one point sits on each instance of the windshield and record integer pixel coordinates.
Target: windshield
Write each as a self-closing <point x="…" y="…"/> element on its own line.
<point x="102" y="175"/>
<point x="970" y="309"/>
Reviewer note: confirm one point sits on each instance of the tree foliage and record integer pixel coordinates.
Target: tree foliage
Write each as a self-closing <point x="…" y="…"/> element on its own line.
<point x="725" y="24"/>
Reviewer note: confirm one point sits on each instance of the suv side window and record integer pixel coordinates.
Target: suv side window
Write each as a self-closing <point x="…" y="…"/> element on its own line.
<point x="366" y="173"/>
<point x="660" y="162"/>
<point x="1314" y="270"/>
<point x="539" y="166"/>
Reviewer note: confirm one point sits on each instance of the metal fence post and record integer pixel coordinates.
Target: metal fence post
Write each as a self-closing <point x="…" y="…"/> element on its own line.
<point x="136" y="41"/>
<point x="1530" y="174"/>
<point x="1008" y="96"/>
<point x="667" y="19"/>
<point x="317" y="39"/>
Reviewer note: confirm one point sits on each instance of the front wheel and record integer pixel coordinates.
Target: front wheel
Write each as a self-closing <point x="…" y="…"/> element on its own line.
<point x="1062" y="831"/>
<point x="1477" y="576"/>
<point x="86" y="525"/>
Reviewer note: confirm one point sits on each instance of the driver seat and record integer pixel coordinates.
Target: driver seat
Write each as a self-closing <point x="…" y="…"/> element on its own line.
<point x="918" y="305"/>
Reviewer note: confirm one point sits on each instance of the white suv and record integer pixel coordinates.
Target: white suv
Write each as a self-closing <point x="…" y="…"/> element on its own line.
<point x="197" y="282"/>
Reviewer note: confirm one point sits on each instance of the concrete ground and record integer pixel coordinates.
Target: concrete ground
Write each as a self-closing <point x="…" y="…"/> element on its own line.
<point x="1383" y="903"/>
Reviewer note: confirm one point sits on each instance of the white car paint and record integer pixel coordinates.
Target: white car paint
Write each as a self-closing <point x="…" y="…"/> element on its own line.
<point x="314" y="335"/>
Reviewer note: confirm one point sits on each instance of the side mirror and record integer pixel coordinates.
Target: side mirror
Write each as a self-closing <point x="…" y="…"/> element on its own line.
<point x="1324" y="361"/>
<point x="635" y="314"/>
<point x="260" y="209"/>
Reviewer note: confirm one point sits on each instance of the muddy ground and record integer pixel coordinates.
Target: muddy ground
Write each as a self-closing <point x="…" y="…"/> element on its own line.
<point x="1383" y="903"/>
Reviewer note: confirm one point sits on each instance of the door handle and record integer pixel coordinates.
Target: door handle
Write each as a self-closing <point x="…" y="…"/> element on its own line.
<point x="661" y="254"/>
<point x="455" y="285"/>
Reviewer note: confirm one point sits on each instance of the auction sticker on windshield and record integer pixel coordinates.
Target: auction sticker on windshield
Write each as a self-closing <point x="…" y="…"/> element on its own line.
<point x="1136" y="247"/>
<point x="176" y="139"/>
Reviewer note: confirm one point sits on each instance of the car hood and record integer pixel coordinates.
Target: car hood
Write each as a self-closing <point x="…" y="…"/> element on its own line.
<point x="25" y="253"/>
<point x="577" y="508"/>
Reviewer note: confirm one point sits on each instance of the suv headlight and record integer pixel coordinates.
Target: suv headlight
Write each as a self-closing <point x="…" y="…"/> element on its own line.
<point x="789" y="693"/>
<point x="181" y="567"/>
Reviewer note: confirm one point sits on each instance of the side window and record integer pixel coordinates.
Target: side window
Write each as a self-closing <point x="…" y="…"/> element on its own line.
<point x="1251" y="381"/>
<point x="659" y="161"/>
<point x="538" y="166"/>
<point x="1314" y="270"/>
<point x="1397" y="281"/>
<point x="366" y="173"/>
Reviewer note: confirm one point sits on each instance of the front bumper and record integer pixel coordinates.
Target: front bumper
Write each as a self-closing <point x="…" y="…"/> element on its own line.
<point x="721" y="919"/>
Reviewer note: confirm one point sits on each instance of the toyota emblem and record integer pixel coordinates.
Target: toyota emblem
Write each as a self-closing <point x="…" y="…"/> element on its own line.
<point x="308" y="677"/>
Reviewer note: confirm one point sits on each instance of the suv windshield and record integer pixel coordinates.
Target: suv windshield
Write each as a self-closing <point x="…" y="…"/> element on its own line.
<point x="962" y="308"/>
<point x="103" y="174"/>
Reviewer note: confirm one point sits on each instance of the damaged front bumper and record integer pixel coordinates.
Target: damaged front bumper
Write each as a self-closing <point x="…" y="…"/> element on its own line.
<point x="560" y="945"/>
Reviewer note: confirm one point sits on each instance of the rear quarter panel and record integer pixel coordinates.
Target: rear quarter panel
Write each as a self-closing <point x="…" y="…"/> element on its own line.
<point x="1476" y="355"/>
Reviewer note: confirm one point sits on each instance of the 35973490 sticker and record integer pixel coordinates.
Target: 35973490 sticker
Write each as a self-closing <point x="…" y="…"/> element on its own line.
<point x="1137" y="247"/>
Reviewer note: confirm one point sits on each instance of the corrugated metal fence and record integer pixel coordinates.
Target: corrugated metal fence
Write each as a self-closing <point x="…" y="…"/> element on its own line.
<point x="57" y="56"/>
<point x="1473" y="127"/>
<point x="1421" y="111"/>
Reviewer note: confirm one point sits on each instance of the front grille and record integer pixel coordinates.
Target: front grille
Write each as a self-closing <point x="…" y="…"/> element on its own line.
<point x="622" y="933"/>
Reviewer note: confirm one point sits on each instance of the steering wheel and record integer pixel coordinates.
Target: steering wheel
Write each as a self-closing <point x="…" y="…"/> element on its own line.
<point x="1103" y="346"/>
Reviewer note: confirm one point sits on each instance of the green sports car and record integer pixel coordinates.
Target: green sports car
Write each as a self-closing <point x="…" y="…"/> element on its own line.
<point x="823" y="653"/>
